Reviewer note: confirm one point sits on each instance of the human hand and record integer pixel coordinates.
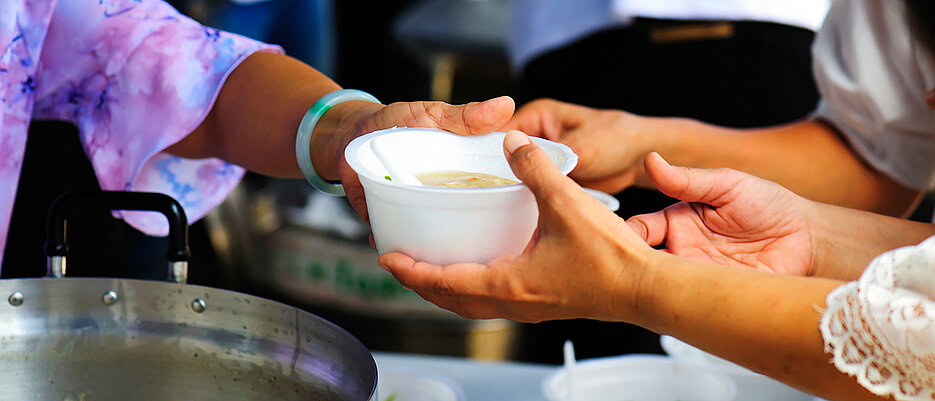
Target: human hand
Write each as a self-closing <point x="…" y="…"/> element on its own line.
<point x="582" y="261"/>
<point x="729" y="218"/>
<point x="608" y="143"/>
<point x="359" y="117"/>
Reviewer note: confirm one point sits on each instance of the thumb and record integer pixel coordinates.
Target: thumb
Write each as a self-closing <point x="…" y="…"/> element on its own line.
<point x="482" y="117"/>
<point x="691" y="184"/>
<point x="652" y="228"/>
<point x="534" y="167"/>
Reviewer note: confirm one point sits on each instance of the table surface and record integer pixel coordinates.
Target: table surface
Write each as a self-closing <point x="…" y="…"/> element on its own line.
<point x="480" y="380"/>
<point x="484" y="380"/>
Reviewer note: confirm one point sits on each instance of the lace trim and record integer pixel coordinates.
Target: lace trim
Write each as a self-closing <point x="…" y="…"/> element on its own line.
<point x="881" y="329"/>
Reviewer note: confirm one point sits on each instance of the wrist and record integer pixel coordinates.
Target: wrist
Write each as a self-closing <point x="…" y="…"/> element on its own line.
<point x="651" y="134"/>
<point x="673" y="291"/>
<point x="336" y="128"/>
<point x="687" y="142"/>
<point x="651" y="289"/>
<point x="815" y="214"/>
<point x="633" y="293"/>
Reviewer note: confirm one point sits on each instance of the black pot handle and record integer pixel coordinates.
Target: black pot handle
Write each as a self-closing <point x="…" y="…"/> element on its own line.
<point x="56" y="246"/>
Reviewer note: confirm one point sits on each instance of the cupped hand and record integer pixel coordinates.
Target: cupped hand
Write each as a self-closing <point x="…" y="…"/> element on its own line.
<point x="468" y="119"/>
<point x="729" y="218"/>
<point x="608" y="143"/>
<point x="583" y="261"/>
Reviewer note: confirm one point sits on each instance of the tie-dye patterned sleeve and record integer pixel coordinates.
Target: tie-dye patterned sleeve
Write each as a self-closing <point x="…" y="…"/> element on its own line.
<point x="136" y="76"/>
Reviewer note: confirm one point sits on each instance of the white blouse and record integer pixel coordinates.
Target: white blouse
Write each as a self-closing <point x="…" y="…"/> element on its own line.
<point x="881" y="328"/>
<point x="873" y="77"/>
<point x="807" y="14"/>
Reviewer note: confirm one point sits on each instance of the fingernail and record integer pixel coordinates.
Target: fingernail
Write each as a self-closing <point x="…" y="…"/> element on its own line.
<point x="514" y="139"/>
<point x="497" y="99"/>
<point x="661" y="158"/>
<point x="505" y="98"/>
<point x="382" y="264"/>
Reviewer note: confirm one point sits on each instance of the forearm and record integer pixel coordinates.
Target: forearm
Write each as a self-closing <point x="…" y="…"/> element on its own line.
<point x="254" y="120"/>
<point x="768" y="323"/>
<point x="844" y="241"/>
<point x="807" y="157"/>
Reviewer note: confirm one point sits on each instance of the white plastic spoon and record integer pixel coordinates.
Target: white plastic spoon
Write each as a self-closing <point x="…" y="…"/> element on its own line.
<point x="570" y="369"/>
<point x="397" y="172"/>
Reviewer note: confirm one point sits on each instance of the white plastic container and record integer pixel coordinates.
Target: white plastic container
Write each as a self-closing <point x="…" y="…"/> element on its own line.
<point x="639" y="378"/>
<point x="608" y="200"/>
<point x="751" y="386"/>
<point x="413" y="385"/>
<point x="448" y="225"/>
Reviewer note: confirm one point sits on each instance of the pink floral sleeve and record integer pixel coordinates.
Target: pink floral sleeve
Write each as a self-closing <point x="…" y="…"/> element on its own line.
<point x="136" y="76"/>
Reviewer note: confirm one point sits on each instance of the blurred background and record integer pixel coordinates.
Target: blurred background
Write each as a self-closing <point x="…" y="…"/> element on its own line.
<point x="281" y="240"/>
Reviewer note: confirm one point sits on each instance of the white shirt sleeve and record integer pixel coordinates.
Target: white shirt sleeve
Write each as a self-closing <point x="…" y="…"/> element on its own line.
<point x="873" y="78"/>
<point x="881" y="328"/>
<point x="806" y="14"/>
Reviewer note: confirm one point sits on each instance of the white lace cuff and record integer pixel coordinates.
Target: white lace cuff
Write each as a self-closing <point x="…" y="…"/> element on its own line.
<point x="881" y="328"/>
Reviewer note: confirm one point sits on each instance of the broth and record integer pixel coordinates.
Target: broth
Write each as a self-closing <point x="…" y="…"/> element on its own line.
<point x="462" y="179"/>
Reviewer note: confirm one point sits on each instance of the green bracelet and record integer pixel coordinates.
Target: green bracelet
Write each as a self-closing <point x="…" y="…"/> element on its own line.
<point x="304" y="136"/>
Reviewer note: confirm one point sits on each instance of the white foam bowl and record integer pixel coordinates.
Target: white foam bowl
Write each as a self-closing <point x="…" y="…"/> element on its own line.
<point x="401" y="384"/>
<point x="639" y="378"/>
<point x="751" y="386"/>
<point x="448" y="225"/>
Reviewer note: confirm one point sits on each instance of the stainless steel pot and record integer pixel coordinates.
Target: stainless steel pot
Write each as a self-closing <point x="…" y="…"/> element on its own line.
<point x="117" y="339"/>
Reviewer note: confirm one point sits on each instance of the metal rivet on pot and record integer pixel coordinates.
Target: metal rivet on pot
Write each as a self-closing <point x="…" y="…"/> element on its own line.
<point x="198" y="305"/>
<point x="16" y="298"/>
<point x="109" y="297"/>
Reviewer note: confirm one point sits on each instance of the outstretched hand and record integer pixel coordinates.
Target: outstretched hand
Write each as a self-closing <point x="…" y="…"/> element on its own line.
<point x="729" y="218"/>
<point x="607" y="142"/>
<point x="583" y="260"/>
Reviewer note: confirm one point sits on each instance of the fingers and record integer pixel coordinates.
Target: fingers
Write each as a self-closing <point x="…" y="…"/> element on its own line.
<point x="534" y="167"/>
<point x="691" y="184"/>
<point x="422" y="278"/>
<point x="395" y="262"/>
<point x="652" y="228"/>
<point x="536" y="119"/>
<point x="472" y="291"/>
<point x="354" y="190"/>
<point x="546" y="118"/>
<point x="484" y="117"/>
<point x="472" y="118"/>
<point x="449" y="281"/>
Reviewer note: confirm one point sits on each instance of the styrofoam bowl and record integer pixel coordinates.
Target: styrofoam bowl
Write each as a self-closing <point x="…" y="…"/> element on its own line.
<point x="639" y="378"/>
<point x="750" y="385"/>
<point x="447" y="225"/>
<point x="606" y="199"/>
<point x="402" y="384"/>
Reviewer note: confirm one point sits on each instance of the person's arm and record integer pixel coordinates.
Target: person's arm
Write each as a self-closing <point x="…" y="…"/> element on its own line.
<point x="808" y="157"/>
<point x="765" y="322"/>
<point x="844" y="241"/>
<point x="586" y="262"/>
<point x="732" y="218"/>
<point x="254" y="121"/>
<point x="145" y="85"/>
